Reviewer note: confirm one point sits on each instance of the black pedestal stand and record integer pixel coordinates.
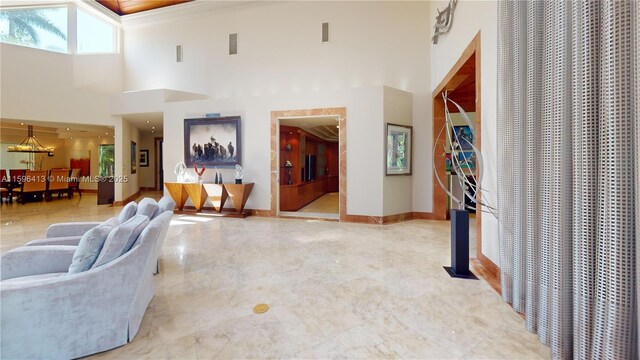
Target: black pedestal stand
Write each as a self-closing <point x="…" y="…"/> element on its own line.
<point x="460" y="246"/>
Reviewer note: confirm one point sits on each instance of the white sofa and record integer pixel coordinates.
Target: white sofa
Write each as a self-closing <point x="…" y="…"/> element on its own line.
<point x="47" y="313"/>
<point x="71" y="232"/>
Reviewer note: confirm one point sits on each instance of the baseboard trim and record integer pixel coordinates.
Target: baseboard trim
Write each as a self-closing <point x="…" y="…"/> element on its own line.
<point x="489" y="271"/>
<point x="127" y="200"/>
<point x="148" y="188"/>
<point x="361" y="219"/>
<point x="388" y="219"/>
<point x="423" y="216"/>
<point x="254" y="212"/>
<point x="263" y="213"/>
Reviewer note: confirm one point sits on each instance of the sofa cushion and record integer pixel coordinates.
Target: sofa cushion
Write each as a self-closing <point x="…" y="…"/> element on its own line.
<point x="120" y="239"/>
<point x="148" y="207"/>
<point x="113" y="221"/>
<point x="33" y="277"/>
<point x="89" y="248"/>
<point x="165" y="204"/>
<point x="60" y="240"/>
<point x="127" y="212"/>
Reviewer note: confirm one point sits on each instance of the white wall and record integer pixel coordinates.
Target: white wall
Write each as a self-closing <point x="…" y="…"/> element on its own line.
<point x="281" y="65"/>
<point x="364" y="116"/>
<point x="398" y="189"/>
<point x="471" y="17"/>
<point x="48" y="86"/>
<point x="146" y="176"/>
<point x="129" y="186"/>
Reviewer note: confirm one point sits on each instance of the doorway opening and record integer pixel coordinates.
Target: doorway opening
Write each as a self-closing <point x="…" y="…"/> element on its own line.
<point x="462" y="85"/>
<point x="309" y="163"/>
<point x="308" y="171"/>
<point x="159" y="172"/>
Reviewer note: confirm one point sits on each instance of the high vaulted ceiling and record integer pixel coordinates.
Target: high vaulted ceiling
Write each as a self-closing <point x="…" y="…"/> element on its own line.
<point x="126" y="7"/>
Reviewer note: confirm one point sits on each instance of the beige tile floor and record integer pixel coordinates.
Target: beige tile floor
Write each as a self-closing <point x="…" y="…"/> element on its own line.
<point x="327" y="204"/>
<point x="336" y="290"/>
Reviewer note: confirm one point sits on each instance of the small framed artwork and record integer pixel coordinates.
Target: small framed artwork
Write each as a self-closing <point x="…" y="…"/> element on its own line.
<point x="467" y="160"/>
<point x="398" y="142"/>
<point x="463" y="136"/>
<point x="144" y="158"/>
<point x="213" y="141"/>
<point x="134" y="155"/>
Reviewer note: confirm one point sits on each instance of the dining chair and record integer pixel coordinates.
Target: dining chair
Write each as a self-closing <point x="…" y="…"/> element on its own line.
<point x="74" y="182"/>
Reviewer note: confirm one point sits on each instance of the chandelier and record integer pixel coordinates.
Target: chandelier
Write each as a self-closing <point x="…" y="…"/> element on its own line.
<point x="30" y="145"/>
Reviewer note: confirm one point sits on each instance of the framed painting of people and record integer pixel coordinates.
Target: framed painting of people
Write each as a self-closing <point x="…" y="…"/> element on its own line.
<point x="213" y="141"/>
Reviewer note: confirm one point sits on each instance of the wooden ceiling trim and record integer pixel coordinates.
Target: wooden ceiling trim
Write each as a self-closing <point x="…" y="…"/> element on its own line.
<point x="127" y="7"/>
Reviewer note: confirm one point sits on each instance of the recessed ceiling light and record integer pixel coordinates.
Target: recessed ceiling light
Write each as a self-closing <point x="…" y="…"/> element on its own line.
<point x="147" y="121"/>
<point x="67" y="129"/>
<point x="99" y="137"/>
<point x="21" y="123"/>
<point x="338" y="126"/>
<point x="153" y="127"/>
<point x="71" y="138"/>
<point x="152" y="131"/>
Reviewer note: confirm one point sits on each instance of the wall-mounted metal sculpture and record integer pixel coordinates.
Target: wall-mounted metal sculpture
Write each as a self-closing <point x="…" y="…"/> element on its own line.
<point x="444" y="20"/>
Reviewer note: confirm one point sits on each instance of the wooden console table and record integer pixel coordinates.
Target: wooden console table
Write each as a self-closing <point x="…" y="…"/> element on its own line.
<point x="218" y="193"/>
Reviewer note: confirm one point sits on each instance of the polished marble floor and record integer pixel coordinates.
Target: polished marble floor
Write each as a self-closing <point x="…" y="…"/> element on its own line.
<point x="327" y="203"/>
<point x="336" y="290"/>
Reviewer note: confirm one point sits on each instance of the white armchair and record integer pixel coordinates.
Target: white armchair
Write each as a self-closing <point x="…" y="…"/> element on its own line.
<point x="49" y="314"/>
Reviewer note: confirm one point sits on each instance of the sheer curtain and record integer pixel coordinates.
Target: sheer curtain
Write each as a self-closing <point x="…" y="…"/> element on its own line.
<point x="568" y="118"/>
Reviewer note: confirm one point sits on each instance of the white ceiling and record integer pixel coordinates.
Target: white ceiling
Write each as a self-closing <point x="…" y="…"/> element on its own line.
<point x="146" y="122"/>
<point x="56" y="130"/>
<point x="324" y="127"/>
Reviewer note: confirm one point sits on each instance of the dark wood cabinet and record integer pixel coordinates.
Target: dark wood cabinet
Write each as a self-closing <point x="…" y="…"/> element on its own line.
<point x="294" y="197"/>
<point x="106" y="190"/>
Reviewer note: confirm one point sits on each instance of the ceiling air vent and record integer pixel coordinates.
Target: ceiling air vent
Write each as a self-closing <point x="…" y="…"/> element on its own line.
<point x="179" y="53"/>
<point x="325" y="32"/>
<point x="233" y="44"/>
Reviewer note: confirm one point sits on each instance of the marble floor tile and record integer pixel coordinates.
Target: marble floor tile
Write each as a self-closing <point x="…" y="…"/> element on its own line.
<point x="335" y="290"/>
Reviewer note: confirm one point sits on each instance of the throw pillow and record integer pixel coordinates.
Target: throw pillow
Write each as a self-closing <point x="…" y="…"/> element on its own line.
<point x="127" y="212"/>
<point x="113" y="222"/>
<point x="89" y="248"/>
<point x="148" y="207"/>
<point x="120" y="239"/>
<point x="165" y="204"/>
